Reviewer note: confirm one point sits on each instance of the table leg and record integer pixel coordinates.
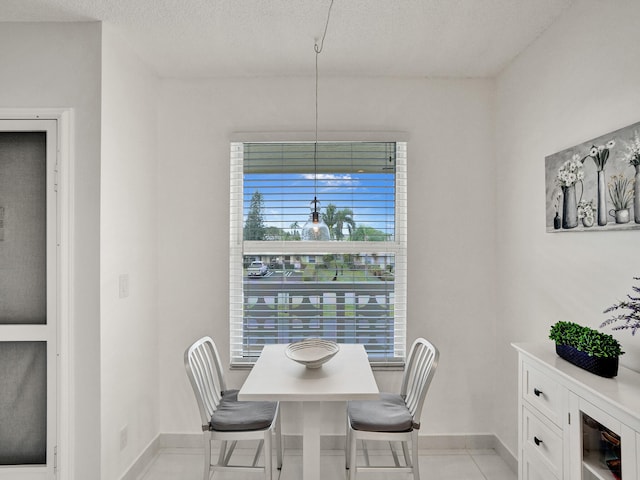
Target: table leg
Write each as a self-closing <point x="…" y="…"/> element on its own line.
<point x="311" y="440"/>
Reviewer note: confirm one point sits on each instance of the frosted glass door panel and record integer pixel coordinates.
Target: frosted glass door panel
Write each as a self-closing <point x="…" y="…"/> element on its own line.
<point x="23" y="228"/>
<point x="23" y="403"/>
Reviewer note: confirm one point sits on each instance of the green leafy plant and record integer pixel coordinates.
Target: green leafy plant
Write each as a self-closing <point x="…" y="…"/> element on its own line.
<point x="585" y="339"/>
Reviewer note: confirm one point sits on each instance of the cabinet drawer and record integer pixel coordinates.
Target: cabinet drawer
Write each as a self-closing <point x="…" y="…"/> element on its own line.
<point x="542" y="442"/>
<point x="542" y="392"/>
<point x="533" y="469"/>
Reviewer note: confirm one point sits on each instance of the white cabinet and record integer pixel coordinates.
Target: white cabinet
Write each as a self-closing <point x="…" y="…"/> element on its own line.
<point x="533" y="469"/>
<point x="607" y="450"/>
<point x="637" y="454"/>
<point x="574" y="425"/>
<point x="542" y="392"/>
<point x="542" y="441"/>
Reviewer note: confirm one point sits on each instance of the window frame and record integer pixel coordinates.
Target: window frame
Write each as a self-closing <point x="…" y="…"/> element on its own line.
<point x="240" y="248"/>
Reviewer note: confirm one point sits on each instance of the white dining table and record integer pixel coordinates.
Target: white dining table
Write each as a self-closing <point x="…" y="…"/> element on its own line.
<point x="275" y="377"/>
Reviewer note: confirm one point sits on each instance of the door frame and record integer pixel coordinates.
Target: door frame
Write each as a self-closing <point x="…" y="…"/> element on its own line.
<point x="64" y="117"/>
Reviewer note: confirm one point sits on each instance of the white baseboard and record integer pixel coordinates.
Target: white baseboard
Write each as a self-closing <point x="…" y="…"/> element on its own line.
<point x="142" y="462"/>
<point x="506" y="454"/>
<point x="485" y="441"/>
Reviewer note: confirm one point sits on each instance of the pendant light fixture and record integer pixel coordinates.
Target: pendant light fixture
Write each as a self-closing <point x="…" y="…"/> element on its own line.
<point x="315" y="228"/>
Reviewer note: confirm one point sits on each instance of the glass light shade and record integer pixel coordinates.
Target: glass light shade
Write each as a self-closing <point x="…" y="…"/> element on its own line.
<point x="315" y="228"/>
<point x="315" y="231"/>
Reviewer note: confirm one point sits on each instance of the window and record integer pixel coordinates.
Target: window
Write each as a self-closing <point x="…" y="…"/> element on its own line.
<point x="351" y="288"/>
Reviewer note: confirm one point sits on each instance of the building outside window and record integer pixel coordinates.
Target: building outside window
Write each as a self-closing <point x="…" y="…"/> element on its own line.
<point x="350" y="288"/>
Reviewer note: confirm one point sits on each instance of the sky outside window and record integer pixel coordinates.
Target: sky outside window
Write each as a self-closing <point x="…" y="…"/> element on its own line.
<point x="360" y="183"/>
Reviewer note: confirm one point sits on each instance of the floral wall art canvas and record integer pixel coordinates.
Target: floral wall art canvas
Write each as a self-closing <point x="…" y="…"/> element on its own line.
<point x="595" y="186"/>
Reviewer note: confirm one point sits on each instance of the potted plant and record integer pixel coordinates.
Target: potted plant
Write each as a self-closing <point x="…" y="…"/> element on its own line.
<point x="632" y="318"/>
<point x="587" y="213"/>
<point x="587" y="348"/>
<point x="632" y="157"/>
<point x="621" y="194"/>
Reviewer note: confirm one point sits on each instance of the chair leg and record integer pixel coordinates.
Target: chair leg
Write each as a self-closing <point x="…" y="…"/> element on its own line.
<point x="279" y="442"/>
<point x="353" y="459"/>
<point x="394" y="454"/>
<point x="207" y="456"/>
<point x="268" y="452"/>
<point x="415" y="461"/>
<point x="365" y="453"/>
<point x="347" y="446"/>
<point x="405" y="452"/>
<point x="222" y="453"/>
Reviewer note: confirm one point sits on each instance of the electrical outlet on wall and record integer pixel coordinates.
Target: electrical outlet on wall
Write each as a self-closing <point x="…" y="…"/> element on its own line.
<point x="123" y="285"/>
<point x="124" y="437"/>
<point x="1" y="224"/>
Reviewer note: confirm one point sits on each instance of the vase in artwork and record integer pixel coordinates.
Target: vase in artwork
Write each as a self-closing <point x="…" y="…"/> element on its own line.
<point x="557" y="222"/>
<point x="621" y="216"/>
<point x="636" y="195"/>
<point x="588" y="222"/>
<point x="569" y="207"/>
<point x="602" y="199"/>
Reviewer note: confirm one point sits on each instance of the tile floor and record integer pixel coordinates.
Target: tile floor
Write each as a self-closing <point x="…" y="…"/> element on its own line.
<point x="186" y="464"/>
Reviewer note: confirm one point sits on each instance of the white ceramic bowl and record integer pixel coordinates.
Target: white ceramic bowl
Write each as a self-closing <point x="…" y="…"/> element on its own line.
<point x="312" y="352"/>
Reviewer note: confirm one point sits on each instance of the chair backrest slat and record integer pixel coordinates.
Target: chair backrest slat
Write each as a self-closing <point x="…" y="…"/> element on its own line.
<point x="205" y="373"/>
<point x="420" y="368"/>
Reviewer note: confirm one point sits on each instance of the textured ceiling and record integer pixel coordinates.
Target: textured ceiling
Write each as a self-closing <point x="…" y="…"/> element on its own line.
<point x="199" y="38"/>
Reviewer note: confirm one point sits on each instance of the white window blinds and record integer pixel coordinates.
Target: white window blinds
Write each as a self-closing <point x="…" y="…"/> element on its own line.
<point x="352" y="288"/>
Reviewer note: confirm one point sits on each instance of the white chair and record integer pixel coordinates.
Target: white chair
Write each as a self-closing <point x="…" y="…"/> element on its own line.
<point x="393" y="417"/>
<point x="226" y="419"/>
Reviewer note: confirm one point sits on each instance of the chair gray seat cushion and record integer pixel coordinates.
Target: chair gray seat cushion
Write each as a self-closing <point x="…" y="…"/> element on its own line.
<point x="235" y="416"/>
<point x="388" y="414"/>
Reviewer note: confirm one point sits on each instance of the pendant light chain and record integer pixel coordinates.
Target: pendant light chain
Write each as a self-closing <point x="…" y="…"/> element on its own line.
<point x="318" y="50"/>
<point x="316" y="229"/>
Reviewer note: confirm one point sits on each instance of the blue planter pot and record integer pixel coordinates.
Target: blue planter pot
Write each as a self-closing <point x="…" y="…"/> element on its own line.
<point x="604" y="367"/>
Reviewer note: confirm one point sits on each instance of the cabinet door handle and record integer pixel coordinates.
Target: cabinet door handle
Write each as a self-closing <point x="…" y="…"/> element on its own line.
<point x="537" y="392"/>
<point x="537" y="441"/>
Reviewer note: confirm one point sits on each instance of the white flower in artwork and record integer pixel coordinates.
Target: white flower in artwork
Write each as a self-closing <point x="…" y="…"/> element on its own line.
<point x="600" y="154"/>
<point x="570" y="172"/>
<point x="586" y="210"/>
<point x="632" y="155"/>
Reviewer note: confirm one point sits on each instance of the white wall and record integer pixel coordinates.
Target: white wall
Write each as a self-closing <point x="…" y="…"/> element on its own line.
<point x="580" y="80"/>
<point x="129" y="230"/>
<point x="58" y="65"/>
<point x="475" y="208"/>
<point x="451" y="223"/>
